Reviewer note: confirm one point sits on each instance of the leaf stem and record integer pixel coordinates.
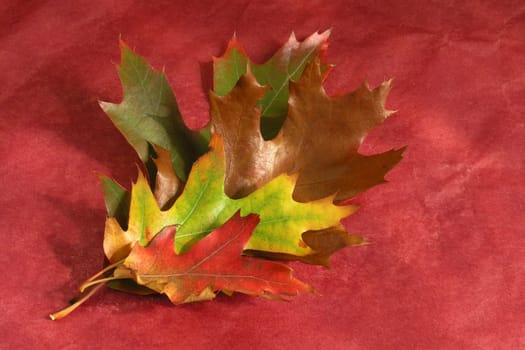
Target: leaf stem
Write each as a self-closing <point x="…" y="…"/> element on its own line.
<point x="88" y="284"/>
<point x="103" y="271"/>
<point x="66" y="311"/>
<point x="92" y="281"/>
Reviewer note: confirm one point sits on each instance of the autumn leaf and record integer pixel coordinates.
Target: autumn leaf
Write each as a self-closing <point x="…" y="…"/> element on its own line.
<point x="117" y="239"/>
<point x="117" y="246"/>
<point x="323" y="243"/>
<point x="117" y="200"/>
<point x="203" y="207"/>
<point x="269" y="178"/>
<point x="213" y="264"/>
<point x="149" y="115"/>
<point x="319" y="138"/>
<point x="143" y="210"/>
<point x="286" y="65"/>
<point x="150" y="120"/>
<point x="168" y="186"/>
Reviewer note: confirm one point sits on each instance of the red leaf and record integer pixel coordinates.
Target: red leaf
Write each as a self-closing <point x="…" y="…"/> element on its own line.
<point x="214" y="263"/>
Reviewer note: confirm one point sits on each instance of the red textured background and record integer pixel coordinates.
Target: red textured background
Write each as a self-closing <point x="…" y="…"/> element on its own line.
<point x="445" y="269"/>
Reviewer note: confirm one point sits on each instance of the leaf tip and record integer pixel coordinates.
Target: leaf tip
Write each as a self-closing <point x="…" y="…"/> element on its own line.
<point x="122" y="44"/>
<point x="384" y="88"/>
<point x="233" y="44"/>
<point x="103" y="105"/>
<point x="388" y="113"/>
<point x="364" y="242"/>
<point x="102" y="178"/>
<point x="327" y="33"/>
<point x="124" y="50"/>
<point x="402" y="150"/>
<point x="292" y="38"/>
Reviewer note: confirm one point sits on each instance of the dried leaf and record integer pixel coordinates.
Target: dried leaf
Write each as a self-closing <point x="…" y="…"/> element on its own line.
<point x="319" y="139"/>
<point x="168" y="186"/>
<point x="347" y="178"/>
<point x="282" y="154"/>
<point x="323" y="243"/>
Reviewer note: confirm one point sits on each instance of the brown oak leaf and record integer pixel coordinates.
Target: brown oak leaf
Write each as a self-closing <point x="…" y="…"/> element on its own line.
<point x="319" y="138"/>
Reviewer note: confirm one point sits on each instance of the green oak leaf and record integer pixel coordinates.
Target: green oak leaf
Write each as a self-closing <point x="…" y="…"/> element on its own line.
<point x="149" y="115"/>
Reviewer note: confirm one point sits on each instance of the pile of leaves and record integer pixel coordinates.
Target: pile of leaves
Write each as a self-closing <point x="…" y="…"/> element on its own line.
<point x="267" y="180"/>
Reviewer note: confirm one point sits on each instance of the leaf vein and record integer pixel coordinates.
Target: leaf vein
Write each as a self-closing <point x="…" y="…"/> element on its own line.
<point x="288" y="78"/>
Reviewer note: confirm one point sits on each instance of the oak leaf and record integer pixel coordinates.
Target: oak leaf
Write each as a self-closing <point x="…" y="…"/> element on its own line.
<point x="203" y="206"/>
<point x="213" y="264"/>
<point x="323" y="243"/>
<point x="149" y="115"/>
<point x="168" y="186"/>
<point x="319" y="138"/>
<point x="269" y="178"/>
<point x="286" y="65"/>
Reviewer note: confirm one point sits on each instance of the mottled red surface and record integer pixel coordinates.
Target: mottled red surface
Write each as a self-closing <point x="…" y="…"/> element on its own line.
<point x="445" y="267"/>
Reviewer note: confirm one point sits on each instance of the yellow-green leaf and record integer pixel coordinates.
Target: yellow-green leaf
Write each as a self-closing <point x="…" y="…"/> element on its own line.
<point x="203" y="207"/>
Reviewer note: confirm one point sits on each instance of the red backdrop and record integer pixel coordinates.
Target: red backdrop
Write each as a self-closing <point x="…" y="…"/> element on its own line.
<point x="445" y="267"/>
